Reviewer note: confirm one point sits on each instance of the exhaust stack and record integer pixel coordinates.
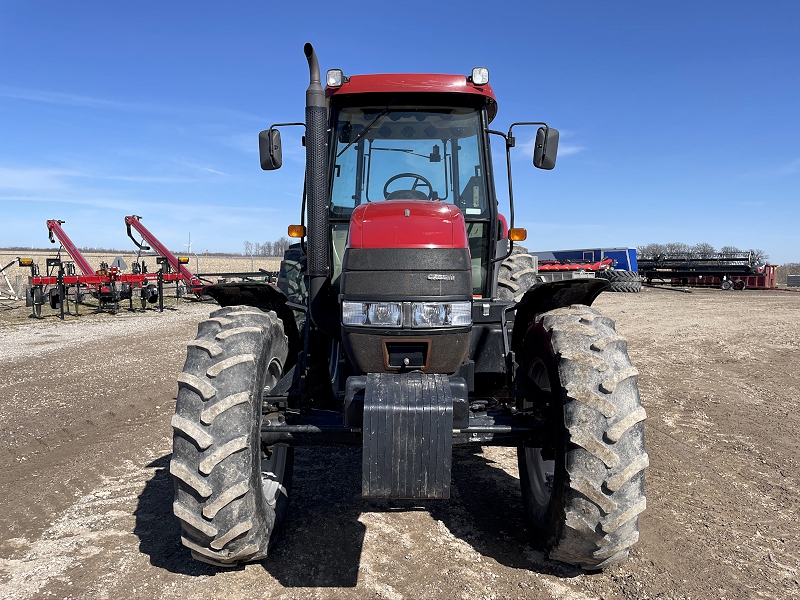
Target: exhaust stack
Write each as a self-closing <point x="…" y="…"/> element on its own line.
<point x="316" y="190"/>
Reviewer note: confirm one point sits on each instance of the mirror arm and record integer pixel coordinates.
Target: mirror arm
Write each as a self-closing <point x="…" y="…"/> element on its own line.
<point x="303" y="219"/>
<point x="511" y="142"/>
<point x="271" y="155"/>
<point x="273" y="126"/>
<point x="546" y="128"/>
<point x="542" y="124"/>
<point x="509" y="139"/>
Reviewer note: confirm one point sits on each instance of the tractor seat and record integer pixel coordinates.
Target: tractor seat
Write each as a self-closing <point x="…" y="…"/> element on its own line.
<point x="407" y="195"/>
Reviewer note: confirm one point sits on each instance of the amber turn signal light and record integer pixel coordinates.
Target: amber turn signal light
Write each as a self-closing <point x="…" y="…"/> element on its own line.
<point x="517" y="234"/>
<point x="297" y="231"/>
<point x="25" y="262"/>
<point x="184" y="260"/>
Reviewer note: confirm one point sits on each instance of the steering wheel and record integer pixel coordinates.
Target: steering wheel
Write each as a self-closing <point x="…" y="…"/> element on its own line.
<point x="419" y="180"/>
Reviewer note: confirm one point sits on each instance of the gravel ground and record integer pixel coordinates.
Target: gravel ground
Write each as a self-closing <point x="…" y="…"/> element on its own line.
<point x="86" y="496"/>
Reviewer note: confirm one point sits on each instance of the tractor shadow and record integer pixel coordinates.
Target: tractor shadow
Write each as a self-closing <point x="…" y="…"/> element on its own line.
<point x="323" y="537"/>
<point x="157" y="528"/>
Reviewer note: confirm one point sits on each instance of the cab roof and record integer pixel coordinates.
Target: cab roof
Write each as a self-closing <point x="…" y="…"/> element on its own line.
<point x="416" y="83"/>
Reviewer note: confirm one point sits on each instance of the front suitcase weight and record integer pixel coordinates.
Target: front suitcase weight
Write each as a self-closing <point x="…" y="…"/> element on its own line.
<point x="407" y="436"/>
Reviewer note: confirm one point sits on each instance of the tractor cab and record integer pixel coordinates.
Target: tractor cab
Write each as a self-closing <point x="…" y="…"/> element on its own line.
<point x="404" y="152"/>
<point x="416" y="138"/>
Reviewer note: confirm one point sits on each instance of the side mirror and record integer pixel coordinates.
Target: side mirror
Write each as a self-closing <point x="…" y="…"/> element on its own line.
<point x="544" y="153"/>
<point x="269" y="149"/>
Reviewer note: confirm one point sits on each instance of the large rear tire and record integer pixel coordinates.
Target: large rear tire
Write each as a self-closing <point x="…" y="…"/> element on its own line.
<point x="584" y="492"/>
<point x="517" y="274"/>
<point x="230" y="493"/>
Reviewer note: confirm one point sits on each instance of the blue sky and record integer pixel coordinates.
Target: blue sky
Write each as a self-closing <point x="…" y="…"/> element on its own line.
<point x="680" y="121"/>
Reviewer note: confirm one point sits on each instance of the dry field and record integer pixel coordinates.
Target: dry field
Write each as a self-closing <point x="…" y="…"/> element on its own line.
<point x="86" y="495"/>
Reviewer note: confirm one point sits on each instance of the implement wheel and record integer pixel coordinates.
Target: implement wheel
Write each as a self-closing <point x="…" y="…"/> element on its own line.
<point x="622" y="281"/>
<point x="38" y="301"/>
<point x="584" y="492"/>
<point x="231" y="494"/>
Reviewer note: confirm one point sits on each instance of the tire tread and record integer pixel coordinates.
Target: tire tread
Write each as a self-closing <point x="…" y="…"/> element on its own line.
<point x="216" y="460"/>
<point x="603" y="492"/>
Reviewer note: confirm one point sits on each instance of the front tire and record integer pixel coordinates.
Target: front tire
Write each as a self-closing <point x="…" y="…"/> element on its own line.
<point x="584" y="492"/>
<point x="230" y="493"/>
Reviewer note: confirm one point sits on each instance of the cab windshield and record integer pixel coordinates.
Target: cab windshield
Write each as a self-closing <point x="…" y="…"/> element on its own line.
<point x="403" y="153"/>
<point x="395" y="152"/>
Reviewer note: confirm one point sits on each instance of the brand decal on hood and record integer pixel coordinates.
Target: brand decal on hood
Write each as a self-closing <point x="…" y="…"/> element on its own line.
<point x="440" y="277"/>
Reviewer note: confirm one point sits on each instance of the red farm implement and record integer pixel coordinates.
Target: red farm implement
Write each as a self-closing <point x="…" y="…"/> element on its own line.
<point x="172" y="265"/>
<point x="108" y="284"/>
<point x="176" y="266"/>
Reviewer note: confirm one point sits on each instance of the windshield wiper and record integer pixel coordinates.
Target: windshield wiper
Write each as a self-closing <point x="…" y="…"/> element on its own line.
<point x="402" y="150"/>
<point x="381" y="114"/>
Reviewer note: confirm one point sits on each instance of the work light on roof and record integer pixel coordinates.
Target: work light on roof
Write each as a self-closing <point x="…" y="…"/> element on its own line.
<point x="480" y="76"/>
<point x="336" y="78"/>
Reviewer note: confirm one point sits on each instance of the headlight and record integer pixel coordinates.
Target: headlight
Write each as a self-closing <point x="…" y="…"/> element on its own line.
<point x="335" y="78"/>
<point x="461" y="313"/>
<point x="428" y="314"/>
<point x="353" y="313"/>
<point x="387" y="314"/>
<point x="424" y="315"/>
<point x="440" y="314"/>
<point x="480" y="76"/>
<point x="381" y="314"/>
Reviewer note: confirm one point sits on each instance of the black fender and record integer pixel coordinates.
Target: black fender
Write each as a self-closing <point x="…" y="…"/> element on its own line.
<point x="543" y="297"/>
<point x="265" y="296"/>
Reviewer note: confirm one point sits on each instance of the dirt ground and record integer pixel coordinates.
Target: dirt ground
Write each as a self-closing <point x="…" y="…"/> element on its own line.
<point x="86" y="496"/>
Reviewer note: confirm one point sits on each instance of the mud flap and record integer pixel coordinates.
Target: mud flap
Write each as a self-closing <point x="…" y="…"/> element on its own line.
<point x="407" y="436"/>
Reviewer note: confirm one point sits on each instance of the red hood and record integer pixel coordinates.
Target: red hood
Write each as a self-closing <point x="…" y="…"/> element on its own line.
<point x="407" y="224"/>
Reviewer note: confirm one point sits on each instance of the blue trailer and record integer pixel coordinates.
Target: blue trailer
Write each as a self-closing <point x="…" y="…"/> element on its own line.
<point x="624" y="259"/>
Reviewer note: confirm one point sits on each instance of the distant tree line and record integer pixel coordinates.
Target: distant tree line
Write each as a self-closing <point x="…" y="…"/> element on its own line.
<point x="276" y="248"/>
<point x="701" y="250"/>
<point x="787" y="269"/>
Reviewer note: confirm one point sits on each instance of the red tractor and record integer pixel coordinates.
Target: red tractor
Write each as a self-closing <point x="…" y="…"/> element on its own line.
<point x="406" y="321"/>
